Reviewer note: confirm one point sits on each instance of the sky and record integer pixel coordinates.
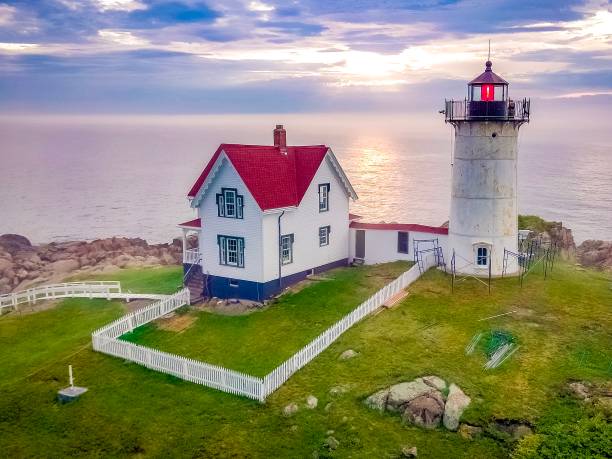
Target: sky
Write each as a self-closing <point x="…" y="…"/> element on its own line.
<point x="268" y="56"/>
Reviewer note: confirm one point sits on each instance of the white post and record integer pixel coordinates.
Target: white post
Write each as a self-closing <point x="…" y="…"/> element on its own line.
<point x="70" y="375"/>
<point x="184" y="244"/>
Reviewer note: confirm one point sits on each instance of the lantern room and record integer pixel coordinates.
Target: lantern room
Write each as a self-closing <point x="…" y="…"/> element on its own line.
<point x="488" y="95"/>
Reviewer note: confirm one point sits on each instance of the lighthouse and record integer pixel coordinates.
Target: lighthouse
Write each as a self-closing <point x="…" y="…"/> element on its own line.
<point x="483" y="223"/>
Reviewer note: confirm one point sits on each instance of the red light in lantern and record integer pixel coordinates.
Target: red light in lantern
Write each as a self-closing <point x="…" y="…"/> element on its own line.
<point x="487" y="92"/>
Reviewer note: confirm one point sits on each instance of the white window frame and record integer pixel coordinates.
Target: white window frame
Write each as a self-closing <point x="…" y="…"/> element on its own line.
<point x="286" y="249"/>
<point x="230" y="203"/>
<point x="324" y="235"/>
<point x="231" y="251"/>
<point x="478" y="257"/>
<point x="323" y="197"/>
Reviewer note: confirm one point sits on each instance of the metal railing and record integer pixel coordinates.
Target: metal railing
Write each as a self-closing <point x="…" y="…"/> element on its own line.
<point x="464" y="110"/>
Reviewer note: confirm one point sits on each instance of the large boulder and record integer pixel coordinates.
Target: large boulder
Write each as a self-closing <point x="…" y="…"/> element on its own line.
<point x="5" y="264"/>
<point x="14" y="243"/>
<point x="456" y="403"/>
<point x="63" y="266"/>
<point x="435" y="382"/>
<point x="425" y="411"/>
<point x="402" y="393"/>
<point x="378" y="400"/>
<point x="596" y="254"/>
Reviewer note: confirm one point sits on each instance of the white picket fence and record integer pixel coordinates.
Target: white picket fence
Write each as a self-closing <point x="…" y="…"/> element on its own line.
<point x="106" y="340"/>
<point x="283" y="372"/>
<point x="88" y="289"/>
<point x="92" y="289"/>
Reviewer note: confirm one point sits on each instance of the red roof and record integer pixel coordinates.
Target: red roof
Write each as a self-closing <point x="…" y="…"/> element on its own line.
<point x="400" y="227"/>
<point x="354" y="216"/>
<point x="488" y="76"/>
<point x="275" y="179"/>
<point x="197" y="223"/>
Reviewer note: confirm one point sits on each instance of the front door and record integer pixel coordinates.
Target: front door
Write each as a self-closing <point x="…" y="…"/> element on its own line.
<point x="360" y="244"/>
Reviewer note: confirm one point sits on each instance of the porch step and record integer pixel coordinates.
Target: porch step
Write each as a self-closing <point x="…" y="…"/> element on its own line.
<point x="195" y="283"/>
<point x="358" y="262"/>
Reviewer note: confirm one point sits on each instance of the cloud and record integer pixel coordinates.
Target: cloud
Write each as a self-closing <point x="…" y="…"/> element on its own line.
<point x="164" y="13"/>
<point x="122" y="37"/>
<point x="120" y="5"/>
<point x="246" y="50"/>
<point x="7" y="13"/>
<point x="260" y="6"/>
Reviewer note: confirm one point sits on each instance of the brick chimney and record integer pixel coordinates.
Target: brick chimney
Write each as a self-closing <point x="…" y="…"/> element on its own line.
<point x="280" y="138"/>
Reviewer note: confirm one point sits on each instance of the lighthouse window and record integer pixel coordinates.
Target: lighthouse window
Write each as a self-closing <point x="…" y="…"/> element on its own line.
<point x="482" y="256"/>
<point x="487" y="92"/>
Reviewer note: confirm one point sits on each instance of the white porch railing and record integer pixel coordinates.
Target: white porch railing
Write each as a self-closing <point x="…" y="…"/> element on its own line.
<point x="191" y="256"/>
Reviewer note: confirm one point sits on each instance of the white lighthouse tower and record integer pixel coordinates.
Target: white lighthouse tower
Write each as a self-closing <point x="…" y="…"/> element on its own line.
<point x="484" y="216"/>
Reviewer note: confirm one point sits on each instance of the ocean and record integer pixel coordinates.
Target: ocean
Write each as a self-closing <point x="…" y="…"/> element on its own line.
<point x="71" y="177"/>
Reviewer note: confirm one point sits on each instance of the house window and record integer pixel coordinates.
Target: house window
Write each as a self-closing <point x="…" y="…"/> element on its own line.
<point x="324" y="235"/>
<point x="323" y="197"/>
<point x="230" y="203"/>
<point x="286" y="249"/>
<point x="231" y="251"/>
<point x="402" y="242"/>
<point x="482" y="256"/>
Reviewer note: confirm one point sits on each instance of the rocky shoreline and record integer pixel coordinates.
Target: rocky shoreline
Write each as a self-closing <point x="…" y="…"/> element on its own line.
<point x="23" y="264"/>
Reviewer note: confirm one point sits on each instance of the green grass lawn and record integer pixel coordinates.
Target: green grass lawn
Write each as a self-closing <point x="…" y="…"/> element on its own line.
<point x="563" y="326"/>
<point x="258" y="342"/>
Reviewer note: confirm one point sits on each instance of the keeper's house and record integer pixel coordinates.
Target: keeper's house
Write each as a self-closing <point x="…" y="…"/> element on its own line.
<point x="267" y="217"/>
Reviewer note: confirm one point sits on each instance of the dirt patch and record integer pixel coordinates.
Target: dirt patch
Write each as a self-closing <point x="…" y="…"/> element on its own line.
<point x="176" y="322"/>
<point x="229" y="308"/>
<point x="522" y="313"/>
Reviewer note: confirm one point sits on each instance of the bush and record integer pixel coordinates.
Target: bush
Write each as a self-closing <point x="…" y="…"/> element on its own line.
<point x="588" y="437"/>
<point x="533" y="223"/>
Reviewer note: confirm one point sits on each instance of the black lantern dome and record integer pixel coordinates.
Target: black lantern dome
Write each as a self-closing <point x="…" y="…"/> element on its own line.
<point x="487" y="99"/>
<point x="488" y="95"/>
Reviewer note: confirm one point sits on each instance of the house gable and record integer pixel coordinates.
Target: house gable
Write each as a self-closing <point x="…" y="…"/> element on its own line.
<point x="276" y="178"/>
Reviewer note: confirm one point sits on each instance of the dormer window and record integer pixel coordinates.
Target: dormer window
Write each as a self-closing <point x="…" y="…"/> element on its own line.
<point x="229" y="203"/>
<point x="323" y="197"/>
